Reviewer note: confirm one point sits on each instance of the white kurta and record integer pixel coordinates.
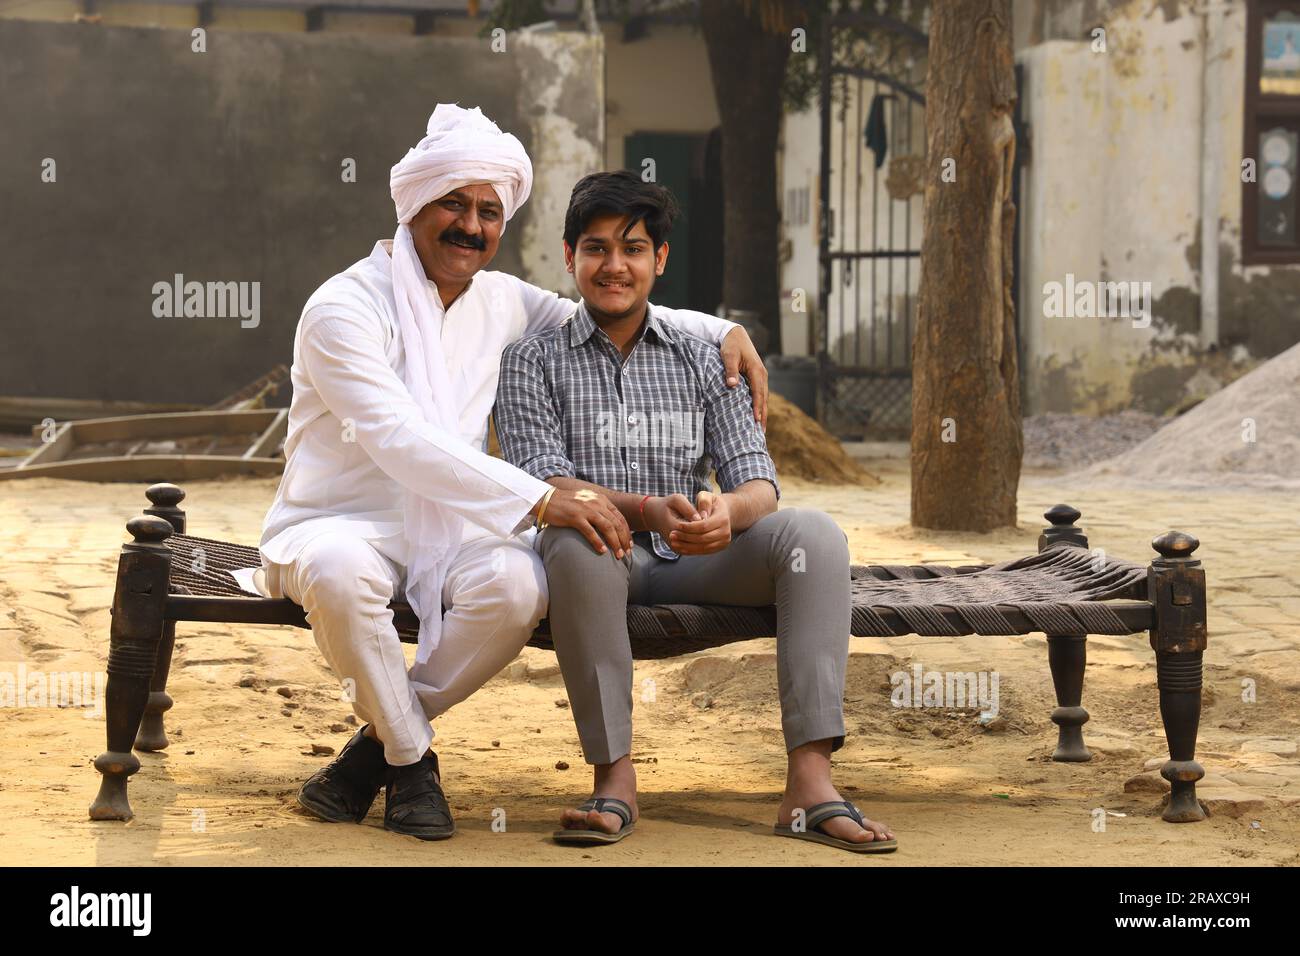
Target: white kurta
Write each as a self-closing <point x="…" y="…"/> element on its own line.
<point x="356" y="437"/>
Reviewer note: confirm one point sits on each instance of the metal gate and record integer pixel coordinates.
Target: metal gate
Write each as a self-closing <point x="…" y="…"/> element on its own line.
<point x="871" y="201"/>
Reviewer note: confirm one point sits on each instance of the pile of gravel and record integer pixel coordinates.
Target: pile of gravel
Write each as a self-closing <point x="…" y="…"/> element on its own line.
<point x="1246" y="435"/>
<point x="1060" y="440"/>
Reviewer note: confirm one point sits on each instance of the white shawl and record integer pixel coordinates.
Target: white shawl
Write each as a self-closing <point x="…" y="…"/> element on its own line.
<point x="462" y="147"/>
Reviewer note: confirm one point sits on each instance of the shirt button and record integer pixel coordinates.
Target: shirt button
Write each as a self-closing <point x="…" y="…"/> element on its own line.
<point x="631" y="419"/>
<point x="634" y="466"/>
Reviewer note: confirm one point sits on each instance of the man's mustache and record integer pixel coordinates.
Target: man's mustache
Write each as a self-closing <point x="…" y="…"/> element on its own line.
<point x="460" y="237"/>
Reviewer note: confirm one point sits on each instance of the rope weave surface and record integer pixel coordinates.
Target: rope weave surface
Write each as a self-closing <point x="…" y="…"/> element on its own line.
<point x="1059" y="591"/>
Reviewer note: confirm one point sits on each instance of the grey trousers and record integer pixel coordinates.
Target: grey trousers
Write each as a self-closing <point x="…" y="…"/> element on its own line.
<point x="795" y="558"/>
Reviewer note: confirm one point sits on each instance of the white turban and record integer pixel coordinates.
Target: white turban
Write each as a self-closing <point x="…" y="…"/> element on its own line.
<point x="462" y="147"/>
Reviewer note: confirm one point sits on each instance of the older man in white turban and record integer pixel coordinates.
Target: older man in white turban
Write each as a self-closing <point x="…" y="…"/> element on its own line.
<point x="388" y="488"/>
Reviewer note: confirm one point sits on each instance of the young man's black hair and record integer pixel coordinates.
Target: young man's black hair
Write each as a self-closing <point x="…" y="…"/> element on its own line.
<point x="620" y="193"/>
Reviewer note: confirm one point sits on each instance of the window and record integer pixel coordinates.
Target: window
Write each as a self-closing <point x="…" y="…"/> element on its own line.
<point x="1272" y="133"/>
<point x="796" y="206"/>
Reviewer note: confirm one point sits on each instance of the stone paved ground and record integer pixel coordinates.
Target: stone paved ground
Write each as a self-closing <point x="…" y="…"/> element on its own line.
<point x="709" y="739"/>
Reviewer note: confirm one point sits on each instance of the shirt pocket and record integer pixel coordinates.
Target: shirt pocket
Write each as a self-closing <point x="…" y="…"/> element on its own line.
<point x="669" y="440"/>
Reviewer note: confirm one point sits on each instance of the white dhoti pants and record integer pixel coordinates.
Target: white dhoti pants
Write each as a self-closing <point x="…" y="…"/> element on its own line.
<point x="494" y="595"/>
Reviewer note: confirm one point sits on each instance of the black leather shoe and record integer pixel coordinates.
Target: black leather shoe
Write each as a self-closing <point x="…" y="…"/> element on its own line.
<point x="343" y="791"/>
<point x="416" y="805"/>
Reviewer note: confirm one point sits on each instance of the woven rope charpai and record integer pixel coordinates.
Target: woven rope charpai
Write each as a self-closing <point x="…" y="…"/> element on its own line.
<point x="203" y="566"/>
<point x="1059" y="591"/>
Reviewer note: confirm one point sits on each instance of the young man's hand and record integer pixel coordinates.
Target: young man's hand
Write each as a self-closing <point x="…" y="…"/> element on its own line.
<point x="666" y="515"/>
<point x="592" y="514"/>
<point x="708" y="535"/>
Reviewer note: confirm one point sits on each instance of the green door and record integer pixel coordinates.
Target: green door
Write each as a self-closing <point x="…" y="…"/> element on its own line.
<point x="672" y="154"/>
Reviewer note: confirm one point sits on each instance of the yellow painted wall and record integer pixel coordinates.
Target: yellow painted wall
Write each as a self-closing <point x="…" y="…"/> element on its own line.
<point x="660" y="83"/>
<point x="265" y="21"/>
<point x="148" y="15"/>
<point x="40" y="10"/>
<point x="370" y="23"/>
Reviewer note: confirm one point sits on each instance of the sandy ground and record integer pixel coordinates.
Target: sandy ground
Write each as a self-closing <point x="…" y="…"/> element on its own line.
<point x="953" y="792"/>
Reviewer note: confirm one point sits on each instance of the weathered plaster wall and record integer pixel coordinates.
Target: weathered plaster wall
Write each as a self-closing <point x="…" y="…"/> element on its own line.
<point x="1113" y="192"/>
<point x="226" y="166"/>
<point x="561" y="96"/>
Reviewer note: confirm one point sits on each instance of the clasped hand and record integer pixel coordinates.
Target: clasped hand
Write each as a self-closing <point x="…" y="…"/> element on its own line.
<point x="700" y="528"/>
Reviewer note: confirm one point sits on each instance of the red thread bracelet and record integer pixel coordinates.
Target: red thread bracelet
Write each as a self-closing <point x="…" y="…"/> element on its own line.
<point x="642" y="508"/>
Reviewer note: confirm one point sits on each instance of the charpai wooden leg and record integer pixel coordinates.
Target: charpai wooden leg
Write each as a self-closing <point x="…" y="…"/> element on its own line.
<point x="152" y="736"/>
<point x="137" y="628"/>
<point x="1176" y="589"/>
<point x="1179" y="679"/>
<point x="1066" y="655"/>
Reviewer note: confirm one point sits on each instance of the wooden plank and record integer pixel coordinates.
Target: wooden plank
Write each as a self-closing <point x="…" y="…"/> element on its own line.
<point x="270" y="439"/>
<point x="243" y="609"/>
<point x="253" y="390"/>
<point x="51" y="451"/>
<point x="173" y="425"/>
<point x="249" y="609"/>
<point x="151" y="468"/>
<point x="20" y="413"/>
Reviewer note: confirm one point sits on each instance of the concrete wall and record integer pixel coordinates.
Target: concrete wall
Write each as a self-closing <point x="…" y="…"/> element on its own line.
<point x="226" y="166"/>
<point x="1112" y="192"/>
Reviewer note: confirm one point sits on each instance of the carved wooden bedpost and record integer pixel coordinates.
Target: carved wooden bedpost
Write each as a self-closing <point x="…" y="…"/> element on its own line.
<point x="152" y="735"/>
<point x="1176" y="590"/>
<point x="137" y="628"/>
<point x="1067" y="654"/>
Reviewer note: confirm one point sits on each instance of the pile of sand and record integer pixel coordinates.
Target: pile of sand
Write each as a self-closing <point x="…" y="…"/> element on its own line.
<point x="801" y="448"/>
<point x="1247" y="435"/>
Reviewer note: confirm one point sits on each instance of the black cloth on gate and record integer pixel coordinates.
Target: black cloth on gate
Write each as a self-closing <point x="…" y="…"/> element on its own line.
<point x="874" y="134"/>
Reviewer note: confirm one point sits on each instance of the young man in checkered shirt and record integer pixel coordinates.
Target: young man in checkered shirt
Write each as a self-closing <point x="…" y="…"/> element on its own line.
<point x="620" y="403"/>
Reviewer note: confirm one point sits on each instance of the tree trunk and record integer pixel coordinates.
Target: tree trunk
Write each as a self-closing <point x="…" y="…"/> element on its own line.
<point x="966" y="433"/>
<point x="748" y="66"/>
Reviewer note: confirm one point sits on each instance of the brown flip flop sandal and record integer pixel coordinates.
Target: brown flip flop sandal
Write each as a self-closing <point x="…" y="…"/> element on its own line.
<point x="593" y="837"/>
<point x="825" y="811"/>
